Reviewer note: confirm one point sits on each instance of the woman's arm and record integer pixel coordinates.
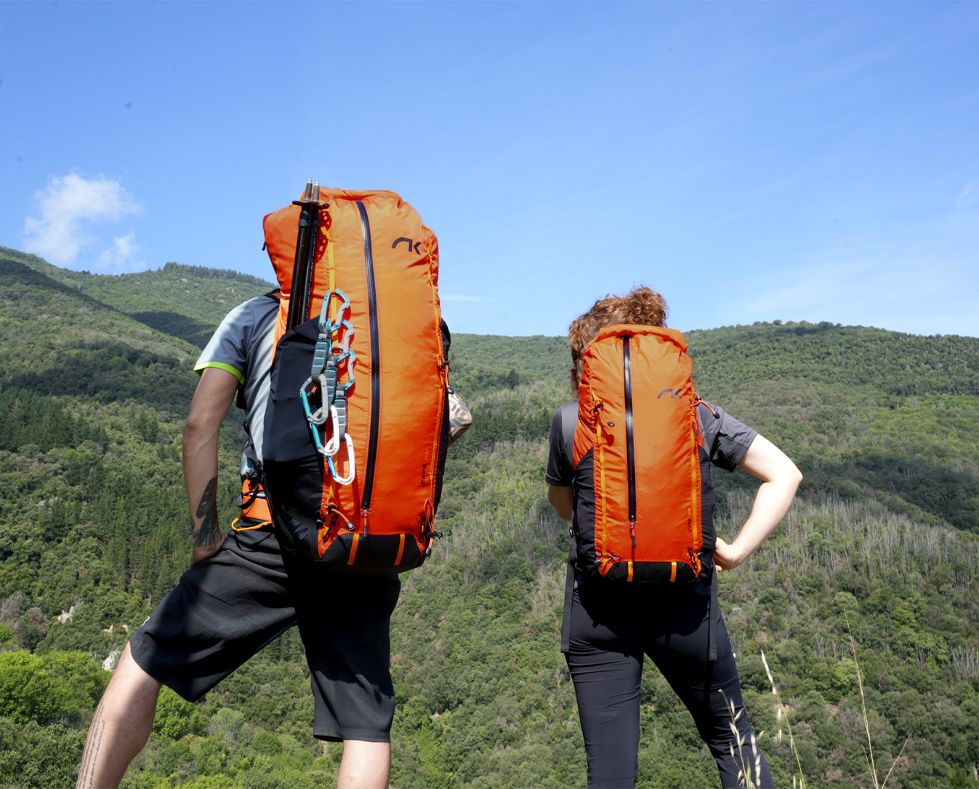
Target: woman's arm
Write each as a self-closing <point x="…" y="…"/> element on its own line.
<point x="213" y="397"/>
<point x="780" y="479"/>
<point x="560" y="498"/>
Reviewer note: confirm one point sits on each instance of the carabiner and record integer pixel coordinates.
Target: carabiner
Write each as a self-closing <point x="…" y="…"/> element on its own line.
<point x="325" y="323"/>
<point x="348" y="334"/>
<point x="351" y="359"/>
<point x="304" y="391"/>
<point x="314" y="430"/>
<point x="351" y="463"/>
<point x="320" y="415"/>
<point x="333" y="445"/>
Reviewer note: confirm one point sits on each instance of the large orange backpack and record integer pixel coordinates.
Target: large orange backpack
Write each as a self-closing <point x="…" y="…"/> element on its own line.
<point x="637" y="458"/>
<point x="356" y="427"/>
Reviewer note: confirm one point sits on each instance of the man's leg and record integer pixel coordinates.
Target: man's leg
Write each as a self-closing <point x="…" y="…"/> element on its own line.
<point x="365" y="765"/>
<point x="348" y="651"/>
<point x="121" y="725"/>
<point x="223" y="610"/>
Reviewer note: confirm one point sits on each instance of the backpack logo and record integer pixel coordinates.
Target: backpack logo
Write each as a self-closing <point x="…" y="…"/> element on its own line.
<point x="414" y="246"/>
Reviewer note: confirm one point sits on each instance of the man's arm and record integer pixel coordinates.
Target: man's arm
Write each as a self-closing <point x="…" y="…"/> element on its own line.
<point x="213" y="397"/>
<point x="780" y="479"/>
<point x="561" y="499"/>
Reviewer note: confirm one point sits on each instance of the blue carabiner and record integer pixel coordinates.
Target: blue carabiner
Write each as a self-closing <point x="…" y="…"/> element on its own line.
<point x="325" y="322"/>
<point x="304" y="392"/>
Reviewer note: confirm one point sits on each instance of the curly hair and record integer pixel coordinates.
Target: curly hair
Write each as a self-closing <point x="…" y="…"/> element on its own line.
<point x="643" y="305"/>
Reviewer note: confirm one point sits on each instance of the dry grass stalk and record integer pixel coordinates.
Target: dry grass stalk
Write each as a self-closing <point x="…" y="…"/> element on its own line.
<point x="866" y="718"/>
<point x="894" y="763"/>
<point x="746" y="778"/>
<point x="869" y="752"/>
<point x="780" y="712"/>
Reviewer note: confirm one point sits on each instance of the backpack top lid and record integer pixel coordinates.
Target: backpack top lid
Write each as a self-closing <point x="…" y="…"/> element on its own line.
<point x="638" y="329"/>
<point x="280" y="226"/>
<point x="659" y="364"/>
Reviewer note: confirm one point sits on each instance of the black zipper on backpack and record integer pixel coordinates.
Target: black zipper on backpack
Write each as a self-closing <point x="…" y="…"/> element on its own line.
<point x="365" y="501"/>
<point x="630" y="448"/>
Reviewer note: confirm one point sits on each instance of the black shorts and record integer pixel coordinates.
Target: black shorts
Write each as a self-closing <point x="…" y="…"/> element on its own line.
<point x="229" y="606"/>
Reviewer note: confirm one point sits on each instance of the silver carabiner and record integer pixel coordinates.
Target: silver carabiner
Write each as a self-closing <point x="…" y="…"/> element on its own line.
<point x="351" y="359"/>
<point x="333" y="445"/>
<point x="348" y="334"/>
<point x="321" y="414"/>
<point x="351" y="463"/>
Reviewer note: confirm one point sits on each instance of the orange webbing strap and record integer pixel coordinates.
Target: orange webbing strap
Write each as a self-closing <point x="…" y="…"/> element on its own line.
<point x="629" y="576"/>
<point x="600" y="440"/>
<point x="401" y="550"/>
<point x="672" y="572"/>
<point x="353" y="549"/>
<point x="331" y="271"/>
<point x="695" y="487"/>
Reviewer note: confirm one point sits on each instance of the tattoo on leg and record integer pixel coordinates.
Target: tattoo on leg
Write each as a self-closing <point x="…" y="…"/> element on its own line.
<point x="207" y="533"/>
<point x="93" y="745"/>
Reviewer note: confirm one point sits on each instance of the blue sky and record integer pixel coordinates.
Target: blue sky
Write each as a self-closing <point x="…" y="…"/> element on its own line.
<point x="752" y="161"/>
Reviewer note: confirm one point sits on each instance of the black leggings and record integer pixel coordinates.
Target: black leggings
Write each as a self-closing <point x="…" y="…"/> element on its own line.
<point x="611" y="628"/>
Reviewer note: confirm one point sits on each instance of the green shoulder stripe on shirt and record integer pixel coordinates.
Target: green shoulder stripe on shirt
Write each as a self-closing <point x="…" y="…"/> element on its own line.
<point x="221" y="366"/>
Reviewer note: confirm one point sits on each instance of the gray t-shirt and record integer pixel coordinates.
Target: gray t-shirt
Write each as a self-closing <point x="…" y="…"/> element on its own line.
<point x="242" y="346"/>
<point x="725" y="438"/>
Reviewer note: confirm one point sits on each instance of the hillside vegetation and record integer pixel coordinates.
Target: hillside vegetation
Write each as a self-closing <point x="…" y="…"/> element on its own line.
<point x="95" y="383"/>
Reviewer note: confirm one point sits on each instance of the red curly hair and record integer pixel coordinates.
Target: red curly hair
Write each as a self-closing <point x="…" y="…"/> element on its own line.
<point x="642" y="305"/>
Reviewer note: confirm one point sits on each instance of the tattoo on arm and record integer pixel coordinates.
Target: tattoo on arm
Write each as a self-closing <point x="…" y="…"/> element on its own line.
<point x="207" y="534"/>
<point x="93" y="745"/>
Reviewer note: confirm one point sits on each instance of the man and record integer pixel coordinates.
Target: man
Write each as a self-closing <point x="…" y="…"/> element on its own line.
<point x="241" y="592"/>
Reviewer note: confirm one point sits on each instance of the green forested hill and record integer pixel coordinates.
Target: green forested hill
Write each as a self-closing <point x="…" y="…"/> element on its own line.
<point x="180" y="301"/>
<point x="95" y="382"/>
<point x="868" y="413"/>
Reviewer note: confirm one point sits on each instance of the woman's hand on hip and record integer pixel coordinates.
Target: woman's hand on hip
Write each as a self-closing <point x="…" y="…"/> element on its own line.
<point x="726" y="556"/>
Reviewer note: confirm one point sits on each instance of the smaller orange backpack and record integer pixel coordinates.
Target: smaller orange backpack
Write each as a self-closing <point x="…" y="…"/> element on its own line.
<point x="357" y="426"/>
<point x="637" y="453"/>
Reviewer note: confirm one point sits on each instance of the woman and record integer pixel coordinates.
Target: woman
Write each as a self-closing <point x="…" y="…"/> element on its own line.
<point x="609" y="626"/>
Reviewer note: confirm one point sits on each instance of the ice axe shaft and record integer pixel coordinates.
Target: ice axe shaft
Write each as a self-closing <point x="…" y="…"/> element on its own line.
<point x="302" y="269"/>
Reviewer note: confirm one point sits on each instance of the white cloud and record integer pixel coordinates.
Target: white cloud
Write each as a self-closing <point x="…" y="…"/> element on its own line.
<point x="967" y="198"/>
<point x="121" y="256"/>
<point x="64" y="209"/>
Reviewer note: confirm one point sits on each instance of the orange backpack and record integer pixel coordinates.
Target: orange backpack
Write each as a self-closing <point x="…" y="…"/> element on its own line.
<point x="637" y="481"/>
<point x="356" y="427"/>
